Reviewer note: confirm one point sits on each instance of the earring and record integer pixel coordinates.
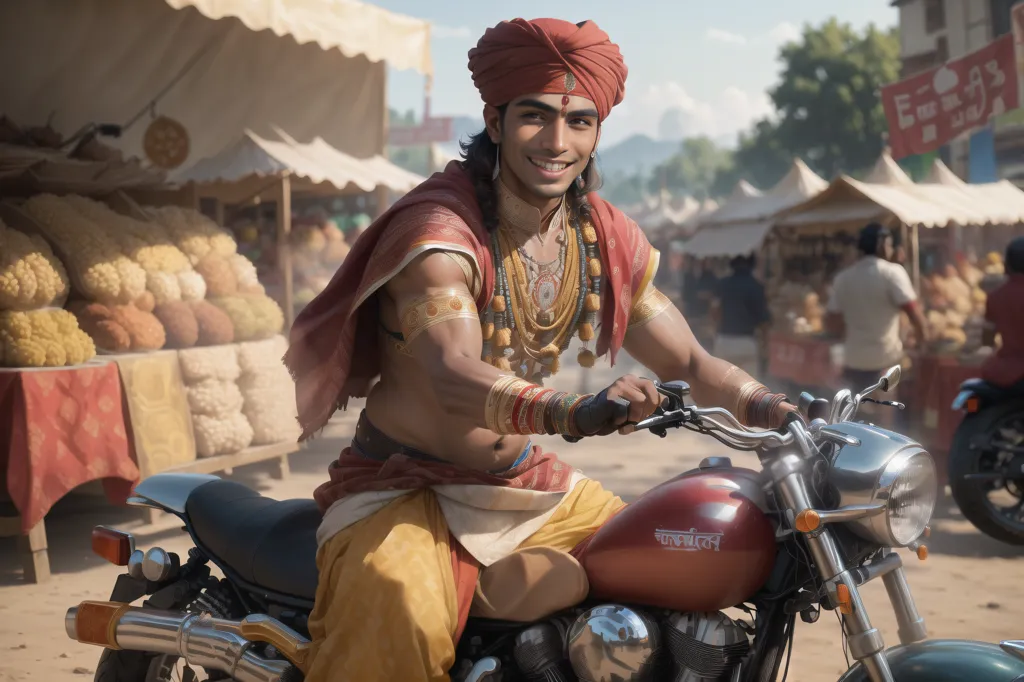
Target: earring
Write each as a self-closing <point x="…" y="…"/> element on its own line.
<point x="580" y="182"/>
<point x="497" y="163"/>
<point x="593" y="154"/>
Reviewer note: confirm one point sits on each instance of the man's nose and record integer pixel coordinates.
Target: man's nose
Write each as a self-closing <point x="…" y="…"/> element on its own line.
<point x="555" y="136"/>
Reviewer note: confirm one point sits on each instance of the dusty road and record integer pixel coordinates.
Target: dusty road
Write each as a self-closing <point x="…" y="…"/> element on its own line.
<point x="968" y="588"/>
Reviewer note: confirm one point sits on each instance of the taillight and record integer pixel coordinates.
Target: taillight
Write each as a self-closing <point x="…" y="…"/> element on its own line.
<point x="113" y="545"/>
<point x="972" y="405"/>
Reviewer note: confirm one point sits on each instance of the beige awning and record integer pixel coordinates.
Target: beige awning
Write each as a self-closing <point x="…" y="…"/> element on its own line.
<point x="233" y="174"/>
<point x="354" y="28"/>
<point x="735" y="239"/>
<point x="104" y="61"/>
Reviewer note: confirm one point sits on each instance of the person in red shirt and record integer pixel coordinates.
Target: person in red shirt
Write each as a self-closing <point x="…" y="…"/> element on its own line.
<point x="1003" y="313"/>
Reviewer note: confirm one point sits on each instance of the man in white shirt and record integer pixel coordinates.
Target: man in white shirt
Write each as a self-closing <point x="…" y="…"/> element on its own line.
<point x="867" y="298"/>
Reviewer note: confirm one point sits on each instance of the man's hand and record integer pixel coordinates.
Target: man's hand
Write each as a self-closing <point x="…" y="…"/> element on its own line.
<point x="600" y="417"/>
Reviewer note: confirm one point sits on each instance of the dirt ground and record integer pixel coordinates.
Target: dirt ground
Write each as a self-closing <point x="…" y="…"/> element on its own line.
<point x="969" y="587"/>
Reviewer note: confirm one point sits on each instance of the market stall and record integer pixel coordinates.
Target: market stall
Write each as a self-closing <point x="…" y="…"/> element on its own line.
<point x="942" y="225"/>
<point x="290" y="178"/>
<point x="110" y="276"/>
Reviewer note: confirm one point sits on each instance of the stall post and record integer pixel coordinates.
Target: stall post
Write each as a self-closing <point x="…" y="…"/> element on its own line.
<point x="284" y="251"/>
<point x="915" y="259"/>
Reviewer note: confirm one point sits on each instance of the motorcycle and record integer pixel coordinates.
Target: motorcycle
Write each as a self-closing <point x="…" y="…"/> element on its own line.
<point x="833" y="501"/>
<point x="986" y="459"/>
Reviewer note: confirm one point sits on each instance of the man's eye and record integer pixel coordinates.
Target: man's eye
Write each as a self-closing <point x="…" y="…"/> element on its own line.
<point x="532" y="116"/>
<point x="579" y="122"/>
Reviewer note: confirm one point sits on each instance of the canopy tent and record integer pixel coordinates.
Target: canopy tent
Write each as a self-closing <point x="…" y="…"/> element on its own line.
<point x="888" y="194"/>
<point x="256" y="167"/>
<point x="218" y="67"/>
<point x="741" y="225"/>
<point x="241" y="171"/>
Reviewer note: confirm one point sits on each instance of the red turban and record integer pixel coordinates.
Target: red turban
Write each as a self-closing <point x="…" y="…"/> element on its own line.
<point x="520" y="57"/>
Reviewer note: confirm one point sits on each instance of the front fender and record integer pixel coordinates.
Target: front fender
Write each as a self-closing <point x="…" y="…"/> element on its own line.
<point x="946" y="660"/>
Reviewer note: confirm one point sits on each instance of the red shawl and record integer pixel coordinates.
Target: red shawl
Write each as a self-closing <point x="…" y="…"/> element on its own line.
<point x="334" y="350"/>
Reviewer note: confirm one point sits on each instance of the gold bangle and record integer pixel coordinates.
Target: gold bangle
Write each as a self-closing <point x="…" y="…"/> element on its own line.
<point x="500" y="401"/>
<point x="433" y="309"/>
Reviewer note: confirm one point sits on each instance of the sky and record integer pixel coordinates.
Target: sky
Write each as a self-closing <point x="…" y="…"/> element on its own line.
<point x="708" y="64"/>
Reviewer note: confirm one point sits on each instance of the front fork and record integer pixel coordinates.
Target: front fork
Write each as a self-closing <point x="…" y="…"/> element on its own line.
<point x="865" y="641"/>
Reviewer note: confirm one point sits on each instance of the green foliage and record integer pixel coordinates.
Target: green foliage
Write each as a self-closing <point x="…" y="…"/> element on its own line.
<point x="827" y="112"/>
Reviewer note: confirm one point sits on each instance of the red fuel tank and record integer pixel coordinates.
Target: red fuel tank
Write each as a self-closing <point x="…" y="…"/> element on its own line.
<point x="700" y="542"/>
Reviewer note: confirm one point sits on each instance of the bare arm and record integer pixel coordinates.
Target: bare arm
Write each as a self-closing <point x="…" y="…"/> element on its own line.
<point x="664" y="343"/>
<point x="450" y="350"/>
<point x="917" y="321"/>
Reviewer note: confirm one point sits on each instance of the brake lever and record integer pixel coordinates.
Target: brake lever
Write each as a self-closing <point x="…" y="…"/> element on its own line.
<point x="887" y="403"/>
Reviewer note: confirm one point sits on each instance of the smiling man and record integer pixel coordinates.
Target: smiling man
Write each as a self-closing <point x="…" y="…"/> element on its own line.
<point x="462" y="298"/>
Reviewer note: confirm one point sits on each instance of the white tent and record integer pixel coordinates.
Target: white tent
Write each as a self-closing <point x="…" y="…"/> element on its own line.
<point x="241" y="170"/>
<point x="741" y="225"/>
<point x="219" y="67"/>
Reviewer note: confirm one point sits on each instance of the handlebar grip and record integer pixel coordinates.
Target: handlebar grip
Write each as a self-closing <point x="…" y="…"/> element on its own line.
<point x="599" y="414"/>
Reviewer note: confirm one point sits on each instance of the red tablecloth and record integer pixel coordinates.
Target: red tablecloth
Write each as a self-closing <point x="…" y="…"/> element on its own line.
<point x="802" y="360"/>
<point x="60" y="428"/>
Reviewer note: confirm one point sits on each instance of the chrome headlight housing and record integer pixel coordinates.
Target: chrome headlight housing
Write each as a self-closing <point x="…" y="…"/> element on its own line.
<point x="888" y="470"/>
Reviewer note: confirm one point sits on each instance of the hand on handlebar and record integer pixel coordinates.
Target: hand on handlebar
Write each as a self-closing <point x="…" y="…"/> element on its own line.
<point x="617" y="407"/>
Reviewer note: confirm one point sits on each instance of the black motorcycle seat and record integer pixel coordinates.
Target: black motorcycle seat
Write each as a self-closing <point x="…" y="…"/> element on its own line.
<point x="267" y="543"/>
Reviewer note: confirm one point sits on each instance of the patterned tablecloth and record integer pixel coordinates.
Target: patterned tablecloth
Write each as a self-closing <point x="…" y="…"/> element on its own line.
<point x="60" y="428"/>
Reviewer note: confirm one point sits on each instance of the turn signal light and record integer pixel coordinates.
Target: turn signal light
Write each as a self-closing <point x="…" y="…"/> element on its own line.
<point x="844" y="600"/>
<point x="922" y="552"/>
<point x="927" y="531"/>
<point x="808" y="521"/>
<point x="113" y="545"/>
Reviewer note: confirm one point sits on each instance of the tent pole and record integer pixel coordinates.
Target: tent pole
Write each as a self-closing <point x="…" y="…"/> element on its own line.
<point x="284" y="252"/>
<point x="915" y="262"/>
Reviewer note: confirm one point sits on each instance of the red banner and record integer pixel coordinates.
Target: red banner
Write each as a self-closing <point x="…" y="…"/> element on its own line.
<point x="431" y="130"/>
<point x="928" y="110"/>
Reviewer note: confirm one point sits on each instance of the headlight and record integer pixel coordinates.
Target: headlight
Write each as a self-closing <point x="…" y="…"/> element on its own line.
<point x="890" y="470"/>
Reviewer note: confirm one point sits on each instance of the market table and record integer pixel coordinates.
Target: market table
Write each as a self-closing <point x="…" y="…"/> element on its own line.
<point x="59" y="428"/>
<point x="805" y="361"/>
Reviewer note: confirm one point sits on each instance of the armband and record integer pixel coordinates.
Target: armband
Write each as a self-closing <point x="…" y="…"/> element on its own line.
<point x="515" y="406"/>
<point x="433" y="309"/>
<point x="650" y="304"/>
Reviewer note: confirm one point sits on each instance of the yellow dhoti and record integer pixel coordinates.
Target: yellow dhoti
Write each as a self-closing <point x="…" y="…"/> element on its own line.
<point x="386" y="605"/>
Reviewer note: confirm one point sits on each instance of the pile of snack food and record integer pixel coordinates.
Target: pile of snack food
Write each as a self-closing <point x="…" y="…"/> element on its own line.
<point x="34" y="330"/>
<point x="797" y="308"/>
<point x="162" y="277"/>
<point x="954" y="302"/>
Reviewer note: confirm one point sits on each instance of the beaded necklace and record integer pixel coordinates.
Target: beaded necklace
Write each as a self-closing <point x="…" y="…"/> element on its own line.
<point x="543" y="335"/>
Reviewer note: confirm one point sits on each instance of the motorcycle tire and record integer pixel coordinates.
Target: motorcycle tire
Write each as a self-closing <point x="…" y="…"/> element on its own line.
<point x="970" y="496"/>
<point x="137" y="666"/>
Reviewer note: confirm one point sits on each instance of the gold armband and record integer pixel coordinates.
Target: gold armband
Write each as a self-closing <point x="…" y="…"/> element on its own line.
<point x="650" y="304"/>
<point x="427" y="311"/>
<point x="517" y="406"/>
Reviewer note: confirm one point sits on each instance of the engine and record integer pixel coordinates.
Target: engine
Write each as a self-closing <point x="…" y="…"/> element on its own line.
<point x="614" y="643"/>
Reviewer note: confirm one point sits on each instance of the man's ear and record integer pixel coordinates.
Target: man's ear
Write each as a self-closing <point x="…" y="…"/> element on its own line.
<point x="492" y="122"/>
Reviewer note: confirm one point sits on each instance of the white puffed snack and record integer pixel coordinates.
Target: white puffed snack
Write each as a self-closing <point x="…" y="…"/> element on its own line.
<point x="220" y="436"/>
<point x="273" y="427"/>
<point x="214" y="397"/>
<point x="209" y="362"/>
<point x="193" y="286"/>
<point x="259" y="356"/>
<point x="164" y="287"/>
<point x="270" y="379"/>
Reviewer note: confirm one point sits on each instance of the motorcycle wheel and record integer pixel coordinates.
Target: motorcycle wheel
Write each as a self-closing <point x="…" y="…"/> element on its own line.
<point x="972" y="495"/>
<point x="139" y="666"/>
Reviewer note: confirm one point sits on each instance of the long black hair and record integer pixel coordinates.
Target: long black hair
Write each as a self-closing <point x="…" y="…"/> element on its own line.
<point x="478" y="155"/>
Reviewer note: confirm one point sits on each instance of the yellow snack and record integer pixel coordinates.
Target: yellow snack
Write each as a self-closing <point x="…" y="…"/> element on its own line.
<point x="30" y="275"/>
<point x="43" y="338"/>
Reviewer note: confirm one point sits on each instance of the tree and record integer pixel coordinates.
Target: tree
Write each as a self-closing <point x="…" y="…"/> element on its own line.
<point x="827" y="104"/>
<point x="693" y="169"/>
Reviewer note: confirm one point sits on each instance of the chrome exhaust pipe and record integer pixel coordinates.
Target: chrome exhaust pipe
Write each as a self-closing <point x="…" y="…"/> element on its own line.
<point x="199" y="639"/>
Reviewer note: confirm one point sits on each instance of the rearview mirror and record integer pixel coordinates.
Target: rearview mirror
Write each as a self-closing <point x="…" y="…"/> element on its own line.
<point x="891" y="379"/>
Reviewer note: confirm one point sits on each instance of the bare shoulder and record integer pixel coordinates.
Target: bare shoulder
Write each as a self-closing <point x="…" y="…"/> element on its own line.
<point x="430" y="271"/>
<point x="434" y="267"/>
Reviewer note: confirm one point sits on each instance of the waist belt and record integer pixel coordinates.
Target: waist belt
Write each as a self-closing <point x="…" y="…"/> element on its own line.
<point x="372" y="443"/>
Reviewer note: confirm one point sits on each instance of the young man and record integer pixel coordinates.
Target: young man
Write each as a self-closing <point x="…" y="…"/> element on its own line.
<point x="462" y="298"/>
<point x="742" y="311"/>
<point x="1003" y="315"/>
<point x="867" y="299"/>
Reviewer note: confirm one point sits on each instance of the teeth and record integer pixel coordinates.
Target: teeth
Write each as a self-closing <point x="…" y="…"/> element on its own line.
<point x="549" y="166"/>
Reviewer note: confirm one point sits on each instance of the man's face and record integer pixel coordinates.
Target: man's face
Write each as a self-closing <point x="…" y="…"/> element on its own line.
<point x="542" y="149"/>
<point x="887" y="249"/>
